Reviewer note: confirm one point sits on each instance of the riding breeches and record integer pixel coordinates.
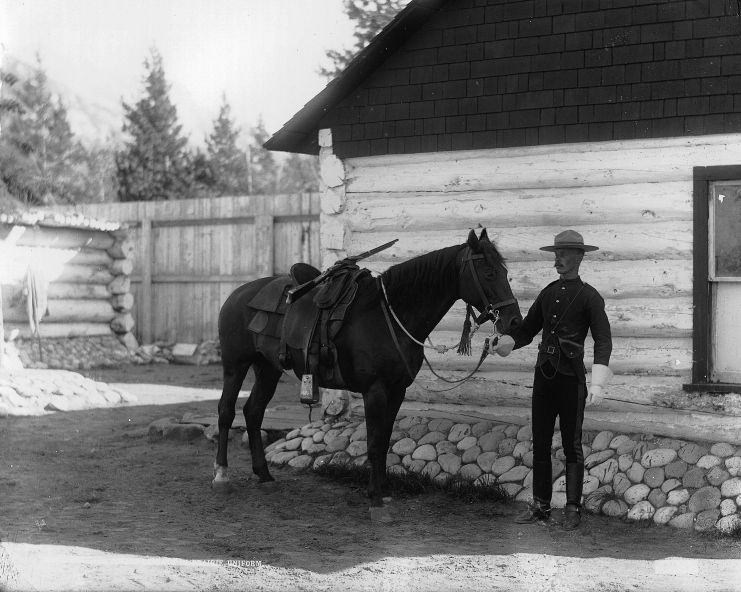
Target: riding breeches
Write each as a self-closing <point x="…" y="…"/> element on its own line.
<point x="562" y="396"/>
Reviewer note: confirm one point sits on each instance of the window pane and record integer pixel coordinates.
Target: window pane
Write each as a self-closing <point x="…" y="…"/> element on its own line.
<point x="727" y="228"/>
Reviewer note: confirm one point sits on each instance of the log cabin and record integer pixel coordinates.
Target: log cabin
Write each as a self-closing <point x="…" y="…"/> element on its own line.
<point x="618" y="118"/>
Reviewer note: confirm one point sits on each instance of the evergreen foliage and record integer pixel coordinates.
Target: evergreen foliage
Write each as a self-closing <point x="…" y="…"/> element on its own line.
<point x="370" y="17"/>
<point x="226" y="162"/>
<point x="155" y="164"/>
<point x="299" y="174"/>
<point x="263" y="168"/>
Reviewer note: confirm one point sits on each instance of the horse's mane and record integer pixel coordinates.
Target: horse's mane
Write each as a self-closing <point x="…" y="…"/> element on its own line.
<point x="423" y="273"/>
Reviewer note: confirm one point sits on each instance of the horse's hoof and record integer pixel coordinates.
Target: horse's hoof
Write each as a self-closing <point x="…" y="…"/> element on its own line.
<point x="221" y="486"/>
<point x="380" y="515"/>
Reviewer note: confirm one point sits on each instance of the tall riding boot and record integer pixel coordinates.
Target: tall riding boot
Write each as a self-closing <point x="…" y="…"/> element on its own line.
<point x="574" y="485"/>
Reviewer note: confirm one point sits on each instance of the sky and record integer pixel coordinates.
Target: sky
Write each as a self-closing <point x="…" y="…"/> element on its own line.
<point x="264" y="55"/>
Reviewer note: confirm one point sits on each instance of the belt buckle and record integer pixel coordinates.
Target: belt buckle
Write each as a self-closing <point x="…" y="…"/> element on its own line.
<point x="550" y="349"/>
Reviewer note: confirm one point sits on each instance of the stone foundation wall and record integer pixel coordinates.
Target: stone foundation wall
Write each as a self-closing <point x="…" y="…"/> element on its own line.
<point x="634" y="476"/>
<point x="74" y="353"/>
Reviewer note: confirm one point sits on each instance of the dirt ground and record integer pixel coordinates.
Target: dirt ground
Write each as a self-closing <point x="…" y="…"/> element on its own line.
<point x="88" y="503"/>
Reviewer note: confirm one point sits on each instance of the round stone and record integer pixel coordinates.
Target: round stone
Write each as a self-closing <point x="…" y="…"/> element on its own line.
<point x="470" y="472"/>
<point x="691" y="453"/>
<point x="406" y="461"/>
<point x="614" y="508"/>
<point x="677" y="497"/>
<point x="450" y="463"/>
<point x="621" y="484"/>
<point x="470" y="455"/>
<point x="557" y="467"/>
<point x="442" y="478"/>
<point x="432" y="469"/>
<point x="717" y="475"/>
<point x="459" y="431"/>
<point x="486" y="459"/>
<point x="722" y="449"/>
<point x="706" y="520"/>
<point x="708" y="461"/>
<point x="318" y="437"/>
<point x="663" y="515"/>
<point x="282" y="458"/>
<point x="705" y="498"/>
<point x="446" y="447"/>
<point x="657" y="498"/>
<point x="559" y="484"/>
<point x="485" y="480"/>
<point x="618" y="441"/>
<point x="602" y="440"/>
<point x="672" y="443"/>
<point x="490" y="441"/>
<point x="417" y="465"/>
<point x="733" y="464"/>
<point x="675" y="469"/>
<point x="731" y="488"/>
<point x="694" y="478"/>
<point x="321" y="461"/>
<point x="407" y="422"/>
<point x="625" y="461"/>
<point x="440" y="424"/>
<point x="590" y="484"/>
<point x="480" y="428"/>
<point x="293" y="434"/>
<point x="510" y="489"/>
<point x="686" y="520"/>
<point x="404" y="446"/>
<point x="425" y="452"/>
<point x="502" y="465"/>
<point x="511" y="430"/>
<point x="598" y="457"/>
<point x="392" y="459"/>
<point x="641" y="511"/>
<point x="514" y="475"/>
<point x="337" y="444"/>
<point x="626" y="447"/>
<point x="432" y="438"/>
<point x="522" y="448"/>
<point x="466" y="443"/>
<point x="670" y="485"/>
<point x="315" y="448"/>
<point x="658" y="457"/>
<point x="729" y="524"/>
<point x="558" y="499"/>
<point x="654" y="477"/>
<point x="397" y="470"/>
<point x="507" y="446"/>
<point x="293" y="443"/>
<point x="360" y="433"/>
<point x="635" y="472"/>
<point x="527" y="458"/>
<point x="727" y="507"/>
<point x="301" y="462"/>
<point x="340" y="459"/>
<point x="524" y="434"/>
<point x="605" y="471"/>
<point x="308" y="431"/>
<point x="636" y="493"/>
<point x="357" y="448"/>
<point x="417" y="431"/>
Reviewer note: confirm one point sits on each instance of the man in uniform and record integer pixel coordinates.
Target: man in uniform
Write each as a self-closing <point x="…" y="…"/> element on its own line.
<point x="565" y="310"/>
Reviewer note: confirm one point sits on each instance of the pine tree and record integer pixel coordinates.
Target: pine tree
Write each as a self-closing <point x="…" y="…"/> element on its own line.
<point x="227" y="162"/>
<point x="263" y="168"/>
<point x="155" y="164"/>
<point x="299" y="174"/>
<point x="370" y="17"/>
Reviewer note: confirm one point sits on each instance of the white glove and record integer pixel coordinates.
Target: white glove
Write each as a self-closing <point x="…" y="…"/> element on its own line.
<point x="505" y="345"/>
<point x="601" y="375"/>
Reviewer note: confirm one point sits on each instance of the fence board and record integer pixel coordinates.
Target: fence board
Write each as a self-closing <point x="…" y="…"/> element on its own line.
<point x="191" y="254"/>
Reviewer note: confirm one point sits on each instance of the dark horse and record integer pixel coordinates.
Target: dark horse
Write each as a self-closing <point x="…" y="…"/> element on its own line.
<point x="420" y="291"/>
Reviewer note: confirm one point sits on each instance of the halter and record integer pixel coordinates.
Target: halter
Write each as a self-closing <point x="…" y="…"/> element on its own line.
<point x="491" y="311"/>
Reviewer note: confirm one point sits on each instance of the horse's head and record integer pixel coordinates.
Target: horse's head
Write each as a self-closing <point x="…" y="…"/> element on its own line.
<point x="483" y="283"/>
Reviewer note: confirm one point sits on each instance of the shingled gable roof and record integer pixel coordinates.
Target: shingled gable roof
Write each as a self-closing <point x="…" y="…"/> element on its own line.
<point x="480" y="74"/>
<point x="299" y="134"/>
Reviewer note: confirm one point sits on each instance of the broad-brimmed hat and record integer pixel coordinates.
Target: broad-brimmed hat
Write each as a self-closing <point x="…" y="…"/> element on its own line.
<point x="569" y="239"/>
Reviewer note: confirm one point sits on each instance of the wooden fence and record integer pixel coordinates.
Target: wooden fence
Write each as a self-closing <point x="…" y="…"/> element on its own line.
<point x="191" y="254"/>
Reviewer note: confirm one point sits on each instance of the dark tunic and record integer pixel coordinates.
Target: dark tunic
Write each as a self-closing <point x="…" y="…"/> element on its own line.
<point x="567" y="309"/>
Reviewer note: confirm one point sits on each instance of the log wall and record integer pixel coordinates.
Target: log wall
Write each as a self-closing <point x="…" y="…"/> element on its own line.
<point x="632" y="198"/>
<point x="85" y="269"/>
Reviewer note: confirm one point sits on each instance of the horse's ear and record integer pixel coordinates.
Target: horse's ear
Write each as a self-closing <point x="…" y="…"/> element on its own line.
<point x="473" y="241"/>
<point x="483" y="236"/>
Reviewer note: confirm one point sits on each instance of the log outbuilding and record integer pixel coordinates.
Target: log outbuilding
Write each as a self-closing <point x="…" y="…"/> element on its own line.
<point x="618" y="118"/>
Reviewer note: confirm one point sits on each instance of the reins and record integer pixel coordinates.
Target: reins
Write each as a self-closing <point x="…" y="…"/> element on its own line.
<point x="491" y="312"/>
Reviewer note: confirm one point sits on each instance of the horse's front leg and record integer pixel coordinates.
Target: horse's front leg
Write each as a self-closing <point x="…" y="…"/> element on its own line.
<point x="376" y="402"/>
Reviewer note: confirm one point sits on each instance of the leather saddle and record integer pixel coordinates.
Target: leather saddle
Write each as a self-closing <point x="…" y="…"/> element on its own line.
<point x="302" y="333"/>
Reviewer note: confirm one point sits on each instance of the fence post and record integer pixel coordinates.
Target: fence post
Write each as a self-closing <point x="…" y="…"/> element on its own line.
<point x="264" y="246"/>
<point x="147" y="330"/>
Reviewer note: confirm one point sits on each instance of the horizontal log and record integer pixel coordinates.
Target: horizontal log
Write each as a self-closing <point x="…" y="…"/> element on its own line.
<point x="122" y="249"/>
<point x="63" y="238"/>
<point x="514" y="208"/>
<point x="661" y="240"/>
<point x="92" y="257"/>
<point x="645" y="355"/>
<point x="64" y="290"/>
<point x="121" y="284"/>
<point x="493" y="387"/>
<point x="630" y="317"/>
<point x="65" y="311"/>
<point x="60" y="330"/>
<point x="84" y="274"/>
<point x="122" y="323"/>
<point x="122" y="302"/>
<point x="122" y="266"/>
<point x="564" y="165"/>
<point x="652" y="278"/>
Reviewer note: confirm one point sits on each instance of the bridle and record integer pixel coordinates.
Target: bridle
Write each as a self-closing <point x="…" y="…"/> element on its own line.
<point x="491" y="311"/>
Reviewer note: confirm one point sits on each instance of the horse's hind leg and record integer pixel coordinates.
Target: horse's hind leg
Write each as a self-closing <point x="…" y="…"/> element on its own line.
<point x="234" y="375"/>
<point x="266" y="379"/>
